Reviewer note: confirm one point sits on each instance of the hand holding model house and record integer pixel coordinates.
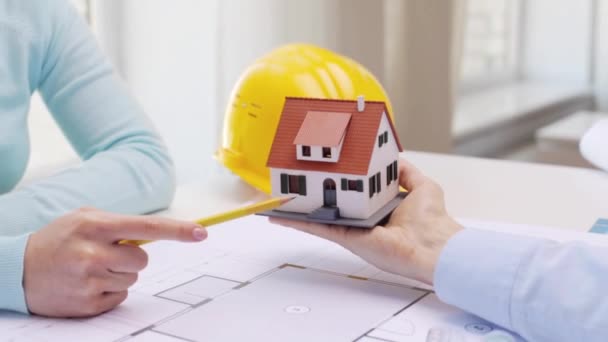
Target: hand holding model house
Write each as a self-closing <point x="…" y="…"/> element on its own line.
<point x="340" y="159"/>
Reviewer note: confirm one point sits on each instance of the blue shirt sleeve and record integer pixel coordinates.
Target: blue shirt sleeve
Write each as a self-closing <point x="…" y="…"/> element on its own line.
<point x="125" y="168"/>
<point x="542" y="290"/>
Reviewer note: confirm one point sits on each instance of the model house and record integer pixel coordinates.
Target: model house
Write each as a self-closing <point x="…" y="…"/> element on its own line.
<point x="338" y="157"/>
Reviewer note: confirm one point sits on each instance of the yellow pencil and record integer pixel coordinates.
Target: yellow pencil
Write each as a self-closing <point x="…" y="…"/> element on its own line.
<point x="230" y="215"/>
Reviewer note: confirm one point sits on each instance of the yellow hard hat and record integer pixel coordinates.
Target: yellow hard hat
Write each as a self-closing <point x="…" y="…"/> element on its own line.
<point x="256" y="103"/>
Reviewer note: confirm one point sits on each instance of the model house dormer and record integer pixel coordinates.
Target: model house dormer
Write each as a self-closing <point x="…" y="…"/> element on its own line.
<point x="321" y="136"/>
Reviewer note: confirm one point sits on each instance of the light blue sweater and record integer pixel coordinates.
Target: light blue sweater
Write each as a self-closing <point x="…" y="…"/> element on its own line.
<point x="46" y="46"/>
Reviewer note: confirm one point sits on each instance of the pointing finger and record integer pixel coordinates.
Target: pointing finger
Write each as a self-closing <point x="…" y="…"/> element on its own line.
<point x="122" y="227"/>
<point x="156" y="228"/>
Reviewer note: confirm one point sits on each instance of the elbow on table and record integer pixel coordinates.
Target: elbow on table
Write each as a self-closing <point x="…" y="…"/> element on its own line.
<point x="153" y="171"/>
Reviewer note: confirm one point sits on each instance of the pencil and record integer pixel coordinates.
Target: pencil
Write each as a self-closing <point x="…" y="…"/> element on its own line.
<point x="229" y="215"/>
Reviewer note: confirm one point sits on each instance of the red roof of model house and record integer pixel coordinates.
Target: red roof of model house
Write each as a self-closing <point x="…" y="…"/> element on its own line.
<point x="322" y="122"/>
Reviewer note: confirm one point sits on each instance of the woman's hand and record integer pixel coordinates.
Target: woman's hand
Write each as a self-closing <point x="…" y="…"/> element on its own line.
<point x="411" y="242"/>
<point x="74" y="267"/>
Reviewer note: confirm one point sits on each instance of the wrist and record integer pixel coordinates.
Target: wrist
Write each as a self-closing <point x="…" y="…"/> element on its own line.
<point x="441" y="232"/>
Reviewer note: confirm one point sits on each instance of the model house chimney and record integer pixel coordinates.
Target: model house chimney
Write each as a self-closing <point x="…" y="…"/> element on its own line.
<point x="360" y="103"/>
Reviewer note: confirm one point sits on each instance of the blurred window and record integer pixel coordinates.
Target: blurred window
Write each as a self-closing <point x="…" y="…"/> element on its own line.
<point x="491" y="42"/>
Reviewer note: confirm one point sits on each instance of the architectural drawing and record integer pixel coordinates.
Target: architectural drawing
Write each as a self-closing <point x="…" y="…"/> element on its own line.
<point x="285" y="286"/>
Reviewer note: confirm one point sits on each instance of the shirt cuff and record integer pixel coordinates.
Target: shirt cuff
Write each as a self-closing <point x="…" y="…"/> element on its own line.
<point x="477" y="270"/>
<point x="12" y="295"/>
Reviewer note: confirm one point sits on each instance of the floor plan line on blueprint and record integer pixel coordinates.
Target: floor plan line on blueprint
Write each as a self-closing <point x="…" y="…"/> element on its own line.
<point x="176" y="293"/>
<point x="255" y="281"/>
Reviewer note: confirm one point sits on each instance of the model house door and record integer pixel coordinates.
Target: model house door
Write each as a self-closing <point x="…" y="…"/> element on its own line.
<point x="329" y="193"/>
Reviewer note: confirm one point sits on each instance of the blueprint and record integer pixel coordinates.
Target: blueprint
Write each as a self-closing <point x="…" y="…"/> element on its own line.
<point x="253" y="281"/>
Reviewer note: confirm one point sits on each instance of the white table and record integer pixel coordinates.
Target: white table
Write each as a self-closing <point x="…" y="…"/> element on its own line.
<point x="515" y="192"/>
<point x="512" y="192"/>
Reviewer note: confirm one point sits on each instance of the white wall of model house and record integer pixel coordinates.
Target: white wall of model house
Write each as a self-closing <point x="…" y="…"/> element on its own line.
<point x="352" y="204"/>
<point x="381" y="158"/>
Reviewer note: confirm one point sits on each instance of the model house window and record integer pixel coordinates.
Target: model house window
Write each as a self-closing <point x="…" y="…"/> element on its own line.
<point x="352" y="185"/>
<point x="391" y="172"/>
<point x="291" y="184"/>
<point x="306" y="151"/>
<point x="382" y="138"/>
<point x="294" y="185"/>
<point x="395" y="170"/>
<point x="372" y="186"/>
<point x="326" y="152"/>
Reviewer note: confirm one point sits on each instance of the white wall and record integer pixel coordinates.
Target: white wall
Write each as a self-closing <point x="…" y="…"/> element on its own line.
<point x="108" y="25"/>
<point x="50" y="151"/>
<point x="381" y="157"/>
<point x="557" y="41"/>
<point x="169" y="55"/>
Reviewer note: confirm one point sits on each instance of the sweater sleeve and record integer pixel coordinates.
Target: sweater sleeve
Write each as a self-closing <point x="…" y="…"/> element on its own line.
<point x="11" y="270"/>
<point x="126" y="167"/>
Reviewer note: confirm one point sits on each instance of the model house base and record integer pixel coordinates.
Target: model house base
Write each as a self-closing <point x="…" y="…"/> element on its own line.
<point x="378" y="218"/>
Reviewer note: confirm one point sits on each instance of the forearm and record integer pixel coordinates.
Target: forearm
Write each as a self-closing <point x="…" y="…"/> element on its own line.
<point x="133" y="178"/>
<point x="539" y="289"/>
